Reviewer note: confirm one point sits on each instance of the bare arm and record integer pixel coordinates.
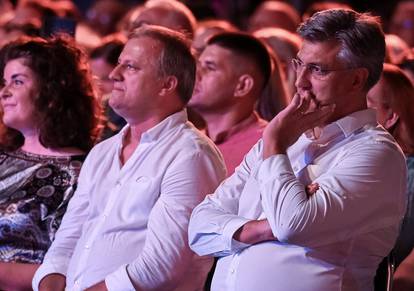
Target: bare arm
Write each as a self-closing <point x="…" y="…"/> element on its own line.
<point x="53" y="282"/>
<point x="254" y="231"/>
<point x="404" y="276"/>
<point x="98" y="287"/>
<point x="16" y="276"/>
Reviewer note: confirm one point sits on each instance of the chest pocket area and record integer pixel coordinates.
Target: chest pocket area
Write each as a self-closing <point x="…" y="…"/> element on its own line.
<point x="138" y="197"/>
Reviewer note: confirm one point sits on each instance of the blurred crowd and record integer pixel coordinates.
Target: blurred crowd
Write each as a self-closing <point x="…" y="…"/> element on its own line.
<point x="87" y="43"/>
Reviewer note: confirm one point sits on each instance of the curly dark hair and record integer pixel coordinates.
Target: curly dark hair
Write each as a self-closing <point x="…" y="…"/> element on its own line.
<point x="67" y="111"/>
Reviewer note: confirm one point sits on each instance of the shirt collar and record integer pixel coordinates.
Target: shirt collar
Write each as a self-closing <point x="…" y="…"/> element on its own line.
<point x="240" y="126"/>
<point x="157" y="131"/>
<point x="347" y="125"/>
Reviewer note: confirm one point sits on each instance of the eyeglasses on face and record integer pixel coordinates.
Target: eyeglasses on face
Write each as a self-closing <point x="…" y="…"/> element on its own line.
<point x="316" y="71"/>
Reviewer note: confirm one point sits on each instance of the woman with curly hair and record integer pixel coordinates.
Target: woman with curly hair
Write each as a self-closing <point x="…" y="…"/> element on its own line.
<point x="50" y="121"/>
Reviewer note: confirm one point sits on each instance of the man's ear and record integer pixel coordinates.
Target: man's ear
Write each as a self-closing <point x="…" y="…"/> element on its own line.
<point x="360" y="78"/>
<point x="169" y="84"/>
<point x="244" y="85"/>
<point x="391" y="120"/>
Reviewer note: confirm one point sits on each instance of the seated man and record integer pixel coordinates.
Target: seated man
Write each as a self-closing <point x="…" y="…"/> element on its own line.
<point x="333" y="236"/>
<point x="233" y="71"/>
<point x="126" y="226"/>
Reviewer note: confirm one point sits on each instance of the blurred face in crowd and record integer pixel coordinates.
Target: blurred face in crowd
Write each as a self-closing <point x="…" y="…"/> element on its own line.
<point x="217" y="78"/>
<point x="321" y="74"/>
<point x="137" y="81"/>
<point x="402" y="22"/>
<point x="101" y="70"/>
<point x="378" y="99"/>
<point x="18" y="91"/>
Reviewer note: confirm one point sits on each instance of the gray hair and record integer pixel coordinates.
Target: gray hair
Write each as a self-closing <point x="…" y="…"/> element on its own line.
<point x="359" y="34"/>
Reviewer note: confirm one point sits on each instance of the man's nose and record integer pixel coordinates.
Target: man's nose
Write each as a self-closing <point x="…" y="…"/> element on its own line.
<point x="302" y="78"/>
<point x="115" y="74"/>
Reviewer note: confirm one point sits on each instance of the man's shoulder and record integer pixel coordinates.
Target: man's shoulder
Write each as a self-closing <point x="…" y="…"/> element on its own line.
<point x="105" y="147"/>
<point x="190" y="137"/>
<point x="374" y="135"/>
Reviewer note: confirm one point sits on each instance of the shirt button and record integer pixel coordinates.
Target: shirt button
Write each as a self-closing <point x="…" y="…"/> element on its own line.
<point x="76" y="282"/>
<point x="87" y="246"/>
<point x="232" y="271"/>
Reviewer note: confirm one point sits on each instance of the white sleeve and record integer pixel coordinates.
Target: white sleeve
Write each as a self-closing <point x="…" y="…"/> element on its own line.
<point x="214" y="222"/>
<point x="363" y="192"/>
<point x="166" y="255"/>
<point x="60" y="252"/>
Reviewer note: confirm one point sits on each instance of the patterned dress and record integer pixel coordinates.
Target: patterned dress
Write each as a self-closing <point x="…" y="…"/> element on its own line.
<point x="34" y="193"/>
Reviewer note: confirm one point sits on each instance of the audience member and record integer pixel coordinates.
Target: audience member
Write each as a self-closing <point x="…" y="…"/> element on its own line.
<point x="167" y="13"/>
<point x="285" y="45"/>
<point x="126" y="226"/>
<point x="397" y="49"/>
<point x="402" y="21"/>
<point x="233" y="70"/>
<point x="323" y="5"/>
<point x="49" y="118"/>
<point x="103" y="59"/>
<point x="104" y="15"/>
<point x="275" y="96"/>
<point x="276" y="14"/>
<point x="393" y="99"/>
<point x="333" y="236"/>
<point x="407" y="65"/>
<point x="206" y="29"/>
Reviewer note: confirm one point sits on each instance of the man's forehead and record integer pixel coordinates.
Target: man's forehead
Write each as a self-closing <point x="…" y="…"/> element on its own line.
<point x="221" y="54"/>
<point x="320" y="51"/>
<point x="141" y="45"/>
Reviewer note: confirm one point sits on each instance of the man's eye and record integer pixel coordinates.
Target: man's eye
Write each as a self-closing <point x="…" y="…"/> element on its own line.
<point x="316" y="70"/>
<point x="130" y="67"/>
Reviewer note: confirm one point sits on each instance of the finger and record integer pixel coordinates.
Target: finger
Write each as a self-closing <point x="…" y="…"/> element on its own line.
<point x="303" y="106"/>
<point x="317" y="117"/>
<point x="296" y="100"/>
<point x="312" y="103"/>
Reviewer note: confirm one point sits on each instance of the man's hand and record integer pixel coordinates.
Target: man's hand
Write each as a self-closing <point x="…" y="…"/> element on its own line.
<point x="254" y="231"/>
<point x="311" y="189"/>
<point x="302" y="114"/>
<point x="98" y="287"/>
<point x="53" y="282"/>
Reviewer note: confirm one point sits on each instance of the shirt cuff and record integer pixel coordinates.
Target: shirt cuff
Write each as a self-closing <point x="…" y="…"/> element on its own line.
<point x="228" y="232"/>
<point x="119" y="280"/>
<point x="59" y="265"/>
<point x="267" y="168"/>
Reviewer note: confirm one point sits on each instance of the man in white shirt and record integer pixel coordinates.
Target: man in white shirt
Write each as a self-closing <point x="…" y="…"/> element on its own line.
<point x="126" y="226"/>
<point x="269" y="233"/>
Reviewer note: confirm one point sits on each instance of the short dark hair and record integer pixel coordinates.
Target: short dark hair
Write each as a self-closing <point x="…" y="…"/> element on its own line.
<point x="109" y="50"/>
<point x="359" y="34"/>
<point x="65" y="107"/>
<point x="247" y="46"/>
<point x="176" y="57"/>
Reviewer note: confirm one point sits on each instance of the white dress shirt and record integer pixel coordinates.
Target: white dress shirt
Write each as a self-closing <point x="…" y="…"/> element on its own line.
<point x="128" y="223"/>
<point x="332" y="240"/>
